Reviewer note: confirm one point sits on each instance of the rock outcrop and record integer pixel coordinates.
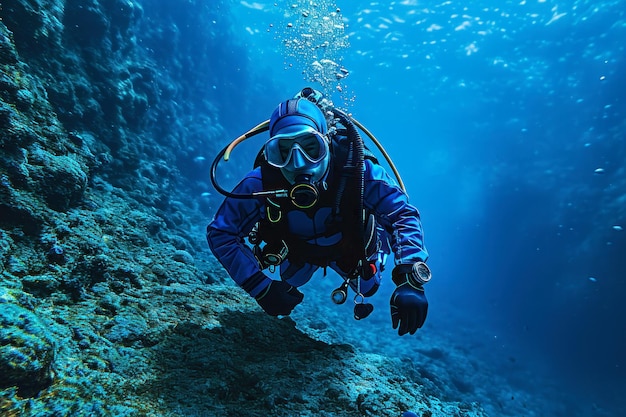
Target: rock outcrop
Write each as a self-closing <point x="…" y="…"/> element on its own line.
<point x="109" y="301"/>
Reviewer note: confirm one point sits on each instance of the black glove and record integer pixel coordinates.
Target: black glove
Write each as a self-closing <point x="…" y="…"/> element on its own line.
<point x="279" y="298"/>
<point x="409" y="308"/>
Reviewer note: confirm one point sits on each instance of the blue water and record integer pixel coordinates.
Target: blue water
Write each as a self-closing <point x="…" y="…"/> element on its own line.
<point x="507" y="121"/>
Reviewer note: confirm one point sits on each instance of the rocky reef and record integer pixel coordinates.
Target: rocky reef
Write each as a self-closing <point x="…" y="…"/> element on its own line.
<point x="110" y="303"/>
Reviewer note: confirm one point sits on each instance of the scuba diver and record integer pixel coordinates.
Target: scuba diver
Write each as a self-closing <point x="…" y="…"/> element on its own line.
<point x="317" y="197"/>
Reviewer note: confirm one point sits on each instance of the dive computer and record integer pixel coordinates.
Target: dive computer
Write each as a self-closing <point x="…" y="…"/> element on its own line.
<point x="416" y="275"/>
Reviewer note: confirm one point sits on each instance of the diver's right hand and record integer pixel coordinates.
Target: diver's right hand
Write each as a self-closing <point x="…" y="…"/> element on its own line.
<point x="279" y="298"/>
<point x="409" y="308"/>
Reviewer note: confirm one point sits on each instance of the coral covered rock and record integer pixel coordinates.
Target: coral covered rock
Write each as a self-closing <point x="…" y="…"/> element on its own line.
<point x="26" y="350"/>
<point x="62" y="179"/>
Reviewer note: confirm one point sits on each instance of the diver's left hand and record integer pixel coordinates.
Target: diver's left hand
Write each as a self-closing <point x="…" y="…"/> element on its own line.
<point x="409" y="308"/>
<point x="279" y="299"/>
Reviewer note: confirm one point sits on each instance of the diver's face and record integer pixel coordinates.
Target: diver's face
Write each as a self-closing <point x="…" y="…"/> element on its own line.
<point x="300" y="166"/>
<point x="299" y="151"/>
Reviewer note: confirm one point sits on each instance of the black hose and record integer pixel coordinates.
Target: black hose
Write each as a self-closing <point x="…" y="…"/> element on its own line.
<point x="217" y="186"/>
<point x="357" y="150"/>
<point x="344" y="179"/>
<point x="261" y="127"/>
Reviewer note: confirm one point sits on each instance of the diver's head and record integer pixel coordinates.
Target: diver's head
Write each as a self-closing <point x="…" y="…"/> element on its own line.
<point x="298" y="143"/>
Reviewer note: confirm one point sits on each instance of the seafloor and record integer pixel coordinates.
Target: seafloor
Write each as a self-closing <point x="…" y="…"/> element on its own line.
<point x="110" y="303"/>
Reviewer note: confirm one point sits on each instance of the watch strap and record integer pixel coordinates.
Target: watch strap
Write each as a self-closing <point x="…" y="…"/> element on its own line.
<point x="406" y="273"/>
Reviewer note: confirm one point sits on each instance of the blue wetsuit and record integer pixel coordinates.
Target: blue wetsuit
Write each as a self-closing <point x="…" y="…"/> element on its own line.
<point x="399" y="223"/>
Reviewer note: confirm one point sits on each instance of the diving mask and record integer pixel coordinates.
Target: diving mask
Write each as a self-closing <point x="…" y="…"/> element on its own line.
<point x="309" y="144"/>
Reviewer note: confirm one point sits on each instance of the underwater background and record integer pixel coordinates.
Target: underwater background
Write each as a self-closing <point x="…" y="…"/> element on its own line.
<point x="506" y="120"/>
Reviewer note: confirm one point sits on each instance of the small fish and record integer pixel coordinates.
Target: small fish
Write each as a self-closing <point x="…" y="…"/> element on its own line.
<point x="599" y="171"/>
<point x="617" y="227"/>
<point x="592" y="279"/>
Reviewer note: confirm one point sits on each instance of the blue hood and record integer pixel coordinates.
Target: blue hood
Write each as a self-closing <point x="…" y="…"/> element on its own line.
<point x="297" y="112"/>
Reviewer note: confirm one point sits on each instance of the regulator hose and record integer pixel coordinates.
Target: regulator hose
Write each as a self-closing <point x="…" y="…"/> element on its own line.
<point x="355" y="165"/>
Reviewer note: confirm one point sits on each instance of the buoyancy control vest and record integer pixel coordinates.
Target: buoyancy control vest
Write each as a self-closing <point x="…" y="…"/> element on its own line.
<point x="274" y="241"/>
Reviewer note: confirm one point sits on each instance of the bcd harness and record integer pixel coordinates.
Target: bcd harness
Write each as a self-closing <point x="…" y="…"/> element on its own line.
<point x="274" y="242"/>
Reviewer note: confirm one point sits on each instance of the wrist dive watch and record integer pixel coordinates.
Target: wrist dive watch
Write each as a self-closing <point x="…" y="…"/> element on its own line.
<point x="416" y="275"/>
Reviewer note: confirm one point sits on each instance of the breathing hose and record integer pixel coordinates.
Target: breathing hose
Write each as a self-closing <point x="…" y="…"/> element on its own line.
<point x="356" y="158"/>
<point x="349" y="121"/>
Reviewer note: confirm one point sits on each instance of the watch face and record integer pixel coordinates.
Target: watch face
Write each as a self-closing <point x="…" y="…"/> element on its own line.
<point x="423" y="272"/>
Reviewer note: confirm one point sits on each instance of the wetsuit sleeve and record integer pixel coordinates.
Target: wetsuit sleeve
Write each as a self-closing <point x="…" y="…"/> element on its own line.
<point x="225" y="234"/>
<point x="393" y="212"/>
